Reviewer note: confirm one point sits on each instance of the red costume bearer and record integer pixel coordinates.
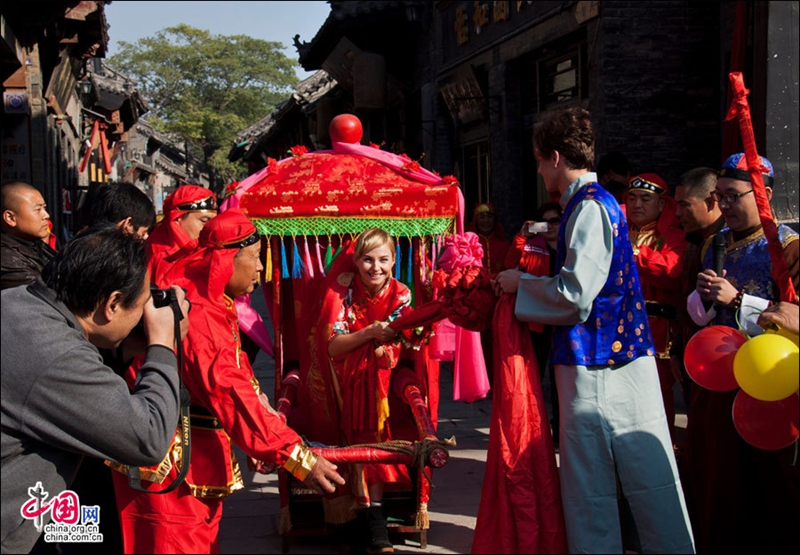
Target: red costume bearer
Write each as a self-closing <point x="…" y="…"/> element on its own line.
<point x="659" y="247"/>
<point x="225" y="408"/>
<point x="168" y="236"/>
<point x="495" y="246"/>
<point x="492" y="237"/>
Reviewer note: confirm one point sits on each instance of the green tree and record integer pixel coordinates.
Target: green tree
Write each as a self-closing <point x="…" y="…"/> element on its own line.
<point x="204" y="88"/>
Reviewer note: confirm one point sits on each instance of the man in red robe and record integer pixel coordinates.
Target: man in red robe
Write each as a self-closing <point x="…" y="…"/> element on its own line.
<point x="658" y="245"/>
<point x="186" y="211"/>
<point x="700" y="218"/>
<point x="226" y="405"/>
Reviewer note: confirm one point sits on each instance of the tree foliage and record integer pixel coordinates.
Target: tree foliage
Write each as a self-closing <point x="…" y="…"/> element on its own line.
<point x="205" y="88"/>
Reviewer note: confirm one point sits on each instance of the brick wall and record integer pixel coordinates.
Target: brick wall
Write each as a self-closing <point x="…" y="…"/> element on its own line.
<point x="655" y="84"/>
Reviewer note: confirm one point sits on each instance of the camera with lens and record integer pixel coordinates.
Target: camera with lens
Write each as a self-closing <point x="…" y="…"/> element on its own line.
<point x="162" y="297"/>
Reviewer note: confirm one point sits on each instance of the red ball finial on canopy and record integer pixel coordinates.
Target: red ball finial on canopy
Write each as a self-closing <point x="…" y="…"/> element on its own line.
<point x="346" y="128"/>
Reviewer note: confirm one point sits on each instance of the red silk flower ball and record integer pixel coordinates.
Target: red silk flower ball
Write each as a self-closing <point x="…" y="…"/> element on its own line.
<point x="468" y="300"/>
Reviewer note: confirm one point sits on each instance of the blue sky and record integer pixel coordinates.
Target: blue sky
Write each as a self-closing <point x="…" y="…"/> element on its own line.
<point x="273" y="21"/>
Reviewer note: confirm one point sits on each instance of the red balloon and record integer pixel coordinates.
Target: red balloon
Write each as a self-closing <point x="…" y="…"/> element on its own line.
<point x="346" y="128"/>
<point x="709" y="355"/>
<point x="766" y="424"/>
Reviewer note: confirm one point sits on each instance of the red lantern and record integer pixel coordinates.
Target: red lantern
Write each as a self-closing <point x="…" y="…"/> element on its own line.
<point x="346" y="128"/>
<point x="709" y="355"/>
<point x="766" y="424"/>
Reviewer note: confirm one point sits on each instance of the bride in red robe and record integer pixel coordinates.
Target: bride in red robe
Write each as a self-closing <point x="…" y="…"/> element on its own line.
<point x="363" y="350"/>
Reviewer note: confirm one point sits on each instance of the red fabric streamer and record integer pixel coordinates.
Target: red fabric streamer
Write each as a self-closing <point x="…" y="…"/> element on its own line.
<point x="740" y="110"/>
<point x="423" y="316"/>
<point x="520" y="509"/>
<point x="466" y="298"/>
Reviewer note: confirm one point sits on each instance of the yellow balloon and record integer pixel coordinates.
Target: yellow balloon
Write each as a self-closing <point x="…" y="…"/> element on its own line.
<point x="793" y="337"/>
<point x="766" y="367"/>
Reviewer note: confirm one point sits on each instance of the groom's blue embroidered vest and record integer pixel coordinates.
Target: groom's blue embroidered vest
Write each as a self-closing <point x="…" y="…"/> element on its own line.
<point x="748" y="267"/>
<point x="616" y="330"/>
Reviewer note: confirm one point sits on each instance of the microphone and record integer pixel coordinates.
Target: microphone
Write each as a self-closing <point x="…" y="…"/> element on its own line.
<point x="718" y="246"/>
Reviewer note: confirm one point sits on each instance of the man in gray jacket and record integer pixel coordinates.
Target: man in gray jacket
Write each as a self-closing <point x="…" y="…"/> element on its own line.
<point x="59" y="401"/>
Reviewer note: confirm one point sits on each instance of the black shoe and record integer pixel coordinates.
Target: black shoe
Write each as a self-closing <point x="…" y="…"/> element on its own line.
<point x="376" y="534"/>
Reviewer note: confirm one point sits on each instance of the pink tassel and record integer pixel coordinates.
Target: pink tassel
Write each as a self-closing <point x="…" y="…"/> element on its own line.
<point x="423" y="263"/>
<point x="470" y="380"/>
<point x="319" y="257"/>
<point x="307" y="257"/>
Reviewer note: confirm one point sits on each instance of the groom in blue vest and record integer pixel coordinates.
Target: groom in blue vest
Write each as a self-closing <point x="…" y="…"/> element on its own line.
<point x="612" y="414"/>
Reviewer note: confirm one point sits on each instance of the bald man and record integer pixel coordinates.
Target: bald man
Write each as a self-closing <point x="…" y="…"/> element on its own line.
<point x="23" y="253"/>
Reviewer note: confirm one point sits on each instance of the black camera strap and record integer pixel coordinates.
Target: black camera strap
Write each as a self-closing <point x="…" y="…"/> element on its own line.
<point x="134" y="474"/>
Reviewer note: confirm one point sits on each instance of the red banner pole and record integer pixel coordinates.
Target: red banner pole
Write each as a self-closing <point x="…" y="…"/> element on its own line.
<point x="740" y="110"/>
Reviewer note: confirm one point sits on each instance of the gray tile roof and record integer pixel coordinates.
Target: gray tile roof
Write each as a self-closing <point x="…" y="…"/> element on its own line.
<point x="114" y="88"/>
<point x="307" y="92"/>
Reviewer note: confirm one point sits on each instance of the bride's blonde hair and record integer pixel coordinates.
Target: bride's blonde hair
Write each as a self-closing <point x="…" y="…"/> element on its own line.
<point x="371" y="239"/>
